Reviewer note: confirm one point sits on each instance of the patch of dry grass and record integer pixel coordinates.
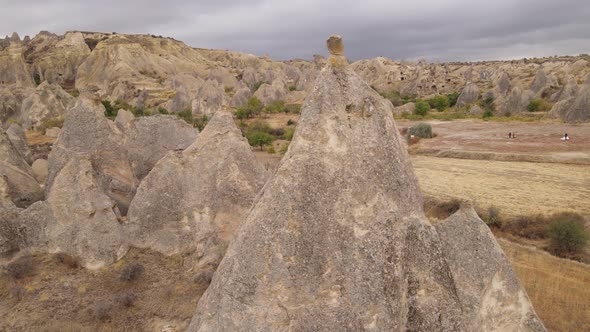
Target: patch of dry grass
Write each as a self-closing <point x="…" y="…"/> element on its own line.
<point x="558" y="288"/>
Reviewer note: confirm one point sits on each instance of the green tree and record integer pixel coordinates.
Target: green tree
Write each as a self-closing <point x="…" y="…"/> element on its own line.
<point x="276" y="106"/>
<point x="422" y="107"/>
<point x="259" y="138"/>
<point x="453" y="98"/>
<point x="441" y="103"/>
<point x="109" y="110"/>
<point x="255" y="105"/>
<point x="567" y="233"/>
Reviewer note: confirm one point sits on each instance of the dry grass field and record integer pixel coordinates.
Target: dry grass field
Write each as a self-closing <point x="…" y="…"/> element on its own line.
<point x="516" y="188"/>
<point x="558" y="288"/>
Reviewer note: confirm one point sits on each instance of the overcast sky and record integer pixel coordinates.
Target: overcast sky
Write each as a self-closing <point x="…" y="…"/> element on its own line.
<point x="410" y="29"/>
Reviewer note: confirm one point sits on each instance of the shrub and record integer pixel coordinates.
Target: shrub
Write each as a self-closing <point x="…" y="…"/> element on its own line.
<point x="284" y="148"/>
<point x="110" y="111"/>
<point x="20" y="268"/>
<point x="291" y="122"/>
<point x="271" y="150"/>
<point x="276" y="106"/>
<point x="228" y="89"/>
<point x="50" y="123"/>
<point x="102" y="311"/>
<point x="487" y="113"/>
<point x="279" y="132"/>
<point x="131" y="272"/>
<point x="67" y="260"/>
<point x="441" y="209"/>
<point x="394" y="97"/>
<point x="292" y="88"/>
<point x="126" y="300"/>
<point x="492" y="217"/>
<point x="422" y="130"/>
<point x="441" y="103"/>
<point x="453" y="98"/>
<point x="75" y="93"/>
<point x="531" y="227"/>
<point x="243" y="113"/>
<point x="260" y="126"/>
<point x="538" y="105"/>
<point x="162" y="110"/>
<point x="288" y="135"/>
<point x="422" y="107"/>
<point x="255" y="105"/>
<point x="567" y="233"/>
<point x="259" y="138"/>
<point x="293" y="108"/>
<point x="186" y="115"/>
<point x="257" y="85"/>
<point x="200" y="122"/>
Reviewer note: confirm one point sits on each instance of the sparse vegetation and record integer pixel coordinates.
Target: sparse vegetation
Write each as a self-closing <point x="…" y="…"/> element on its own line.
<point x="69" y="261"/>
<point x="422" y="130"/>
<point x="538" y="105"/>
<point x="254" y="107"/>
<point x="20" y="268"/>
<point x="292" y="88"/>
<point x="453" y="99"/>
<point x="131" y="272"/>
<point x="492" y="217"/>
<point x="162" y="110"/>
<point x="567" y="234"/>
<point x="271" y="150"/>
<point x="441" y="103"/>
<point x="422" y="107"/>
<point x="50" y="123"/>
<point x="276" y="106"/>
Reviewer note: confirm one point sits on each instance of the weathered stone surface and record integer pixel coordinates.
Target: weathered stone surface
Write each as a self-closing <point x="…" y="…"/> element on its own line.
<point x="241" y="97"/>
<point x="53" y="132"/>
<point x="209" y="99"/>
<point x="193" y="200"/>
<point x="180" y="102"/>
<point x="148" y="139"/>
<point x="47" y="102"/>
<point x="579" y="110"/>
<point x="569" y="90"/>
<point x="85" y="221"/>
<point x="475" y="110"/>
<point x="338" y="240"/>
<point x="23" y="189"/>
<point x="223" y="77"/>
<point x="86" y="132"/>
<point x="11" y="99"/>
<point x="10" y="237"/>
<point x="491" y="296"/>
<point x="469" y="95"/>
<point x="409" y="108"/>
<point x="40" y="168"/>
<point x="267" y="93"/>
<point x="13" y="69"/>
<point x="517" y="101"/>
<point x="16" y="135"/>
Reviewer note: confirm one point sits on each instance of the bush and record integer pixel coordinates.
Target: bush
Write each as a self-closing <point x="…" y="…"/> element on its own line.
<point x="292" y="88"/>
<point x="288" y="135"/>
<point x="200" y="122"/>
<point x="162" y="110"/>
<point x="20" y="268"/>
<point x="110" y="111"/>
<point x="259" y="138"/>
<point x="531" y="227"/>
<point x="50" y="123"/>
<point x="271" y="150"/>
<point x="284" y="148"/>
<point x="186" y="115"/>
<point x="293" y="108"/>
<point x="487" y="113"/>
<point x="279" y="132"/>
<point x="441" y="103"/>
<point x="276" y="106"/>
<point x="492" y="217"/>
<point x="291" y="122"/>
<point x="422" y="107"/>
<point x="394" y="97"/>
<point x="243" y="113"/>
<point x="126" y="300"/>
<point x="567" y="233"/>
<point x="260" y="126"/>
<point x="422" y="130"/>
<point x="228" y="89"/>
<point x="538" y="105"/>
<point x="67" y="260"/>
<point x="257" y="85"/>
<point x="453" y="98"/>
<point x="131" y="272"/>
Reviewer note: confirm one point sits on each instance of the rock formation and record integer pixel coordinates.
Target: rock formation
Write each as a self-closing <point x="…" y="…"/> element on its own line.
<point x="209" y="100"/>
<point x="23" y="189"/>
<point x="574" y="103"/>
<point x="241" y="97"/>
<point x="16" y="135"/>
<point x="193" y="200"/>
<point x="338" y="240"/>
<point x="469" y="95"/>
<point x="49" y="101"/>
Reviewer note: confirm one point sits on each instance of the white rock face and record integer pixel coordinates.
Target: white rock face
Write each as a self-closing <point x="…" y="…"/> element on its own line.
<point x="338" y="240"/>
<point x="40" y="168"/>
<point x="49" y="101"/>
<point x="193" y="200"/>
<point x="16" y="135"/>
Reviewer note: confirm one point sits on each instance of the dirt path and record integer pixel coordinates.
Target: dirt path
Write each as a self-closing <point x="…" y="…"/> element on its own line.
<point x="514" y="187"/>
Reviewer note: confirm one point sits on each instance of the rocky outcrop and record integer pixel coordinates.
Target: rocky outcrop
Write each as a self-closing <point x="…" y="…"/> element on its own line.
<point x="408" y="108"/>
<point x="492" y="298"/>
<point x="16" y="135"/>
<point x="10" y="237"/>
<point x="338" y="240"/>
<point x="180" y="102"/>
<point x="40" y="168"/>
<point x="87" y="133"/>
<point x="23" y="189"/>
<point x="193" y="200"/>
<point x="469" y="95"/>
<point x="567" y="91"/>
<point x="475" y="110"/>
<point x="13" y="69"/>
<point x="209" y="100"/>
<point x="579" y="109"/>
<point x="84" y="223"/>
<point x="49" y="101"/>
<point x="11" y="99"/>
<point x="241" y="97"/>
<point x="223" y="77"/>
<point x="267" y="93"/>
<point x="148" y="139"/>
<point x="517" y="101"/>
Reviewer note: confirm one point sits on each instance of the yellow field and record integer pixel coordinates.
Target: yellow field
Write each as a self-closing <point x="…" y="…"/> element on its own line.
<point x="516" y="188"/>
<point x="558" y="288"/>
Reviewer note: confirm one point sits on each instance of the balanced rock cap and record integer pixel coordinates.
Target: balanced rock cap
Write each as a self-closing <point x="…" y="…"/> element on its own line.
<point x="336" y="48"/>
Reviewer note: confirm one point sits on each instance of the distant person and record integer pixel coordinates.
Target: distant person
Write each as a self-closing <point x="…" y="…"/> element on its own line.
<point x="513" y="135"/>
<point x="509" y="135"/>
<point x="565" y="137"/>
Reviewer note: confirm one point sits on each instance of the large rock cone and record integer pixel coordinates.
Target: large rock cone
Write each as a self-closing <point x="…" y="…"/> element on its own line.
<point x="194" y="199"/>
<point x="338" y="240"/>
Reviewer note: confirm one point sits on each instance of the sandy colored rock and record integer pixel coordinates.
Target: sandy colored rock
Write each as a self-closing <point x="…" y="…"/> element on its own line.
<point x="23" y="189"/>
<point x="408" y="108"/>
<point x="338" y="240"/>
<point x="579" y="109"/>
<point x="209" y="99"/>
<point x="193" y="200"/>
<point x="475" y="110"/>
<point x="241" y="97"/>
<point x="267" y="93"/>
<point x="469" y="95"/>
<point x="492" y="297"/>
<point x="49" y="101"/>
<point x="87" y="133"/>
<point x="16" y="135"/>
<point x="40" y="168"/>
<point x="53" y="132"/>
<point x="85" y="221"/>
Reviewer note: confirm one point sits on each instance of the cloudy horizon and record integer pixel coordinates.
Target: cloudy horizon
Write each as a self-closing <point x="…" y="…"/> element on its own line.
<point x="456" y="30"/>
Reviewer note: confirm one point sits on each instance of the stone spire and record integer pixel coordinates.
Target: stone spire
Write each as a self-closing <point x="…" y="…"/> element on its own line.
<point x="336" y="48"/>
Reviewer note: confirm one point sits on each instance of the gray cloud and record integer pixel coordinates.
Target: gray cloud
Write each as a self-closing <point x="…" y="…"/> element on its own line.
<point x="435" y="30"/>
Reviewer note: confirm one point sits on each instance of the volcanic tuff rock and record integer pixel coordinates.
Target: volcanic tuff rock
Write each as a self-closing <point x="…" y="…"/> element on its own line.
<point x="267" y="93"/>
<point x="469" y="95"/>
<point x="491" y="296"/>
<point x="40" y="168"/>
<point x="194" y="199"/>
<point x="23" y="189"/>
<point x="579" y="108"/>
<point x="47" y="102"/>
<point x="209" y="100"/>
<point x="241" y="97"/>
<point x="338" y="240"/>
<point x="86" y="132"/>
<point x="84" y="221"/>
<point x="16" y="135"/>
<point x="13" y="69"/>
